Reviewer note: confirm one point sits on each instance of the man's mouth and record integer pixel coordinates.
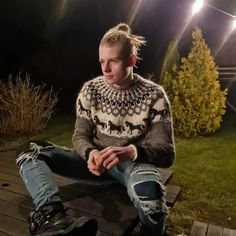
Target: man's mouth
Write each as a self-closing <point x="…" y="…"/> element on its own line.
<point x="108" y="77"/>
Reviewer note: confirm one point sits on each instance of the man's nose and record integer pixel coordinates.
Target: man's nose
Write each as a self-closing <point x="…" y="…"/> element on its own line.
<point x="107" y="67"/>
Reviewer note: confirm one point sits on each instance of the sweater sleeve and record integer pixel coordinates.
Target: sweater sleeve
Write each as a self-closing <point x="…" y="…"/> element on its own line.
<point x="82" y="138"/>
<point x="157" y="146"/>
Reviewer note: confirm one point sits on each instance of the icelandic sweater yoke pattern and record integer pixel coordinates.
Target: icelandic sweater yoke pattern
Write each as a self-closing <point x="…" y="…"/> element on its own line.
<point x="122" y="113"/>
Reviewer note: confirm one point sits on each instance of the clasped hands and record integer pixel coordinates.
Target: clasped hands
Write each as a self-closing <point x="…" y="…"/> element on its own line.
<point x="98" y="161"/>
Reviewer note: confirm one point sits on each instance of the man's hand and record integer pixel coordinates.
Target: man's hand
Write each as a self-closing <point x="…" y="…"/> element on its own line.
<point x="110" y="156"/>
<point x="93" y="164"/>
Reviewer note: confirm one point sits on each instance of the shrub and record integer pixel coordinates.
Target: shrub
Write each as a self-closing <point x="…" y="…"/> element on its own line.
<point x="24" y="107"/>
<point x="194" y="91"/>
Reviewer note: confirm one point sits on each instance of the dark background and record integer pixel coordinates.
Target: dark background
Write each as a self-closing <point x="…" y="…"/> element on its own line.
<point x="56" y="41"/>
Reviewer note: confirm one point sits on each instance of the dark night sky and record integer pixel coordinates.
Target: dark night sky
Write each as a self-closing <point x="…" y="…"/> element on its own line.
<point x="57" y="40"/>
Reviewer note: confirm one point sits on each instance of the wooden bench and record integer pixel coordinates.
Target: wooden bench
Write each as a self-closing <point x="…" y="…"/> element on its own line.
<point x="204" y="229"/>
<point x="108" y="204"/>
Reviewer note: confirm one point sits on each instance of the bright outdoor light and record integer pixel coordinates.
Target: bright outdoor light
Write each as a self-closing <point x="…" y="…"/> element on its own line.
<point x="234" y="24"/>
<point x="197" y="6"/>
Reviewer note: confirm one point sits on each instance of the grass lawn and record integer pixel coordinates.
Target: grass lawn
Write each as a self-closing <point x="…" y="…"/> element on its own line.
<point x="205" y="168"/>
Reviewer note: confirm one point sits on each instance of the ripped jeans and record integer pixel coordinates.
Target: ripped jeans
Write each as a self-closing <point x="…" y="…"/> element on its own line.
<point x="143" y="181"/>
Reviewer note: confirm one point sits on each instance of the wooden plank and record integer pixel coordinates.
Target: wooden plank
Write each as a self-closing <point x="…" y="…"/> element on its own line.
<point x="5" y="177"/>
<point x="198" y="229"/>
<point x="229" y="232"/>
<point x="8" y="153"/>
<point x="16" y="198"/>
<point x="172" y="194"/>
<point x="100" y="199"/>
<point x="3" y="234"/>
<point x="87" y="196"/>
<point x="13" y="187"/>
<point x="101" y="207"/>
<point x="166" y="175"/>
<point x="105" y="227"/>
<point x="214" y="230"/>
<point x="20" y="212"/>
<point x="95" y="200"/>
<point x="12" y="226"/>
<point x="15" y="211"/>
<point x="96" y="207"/>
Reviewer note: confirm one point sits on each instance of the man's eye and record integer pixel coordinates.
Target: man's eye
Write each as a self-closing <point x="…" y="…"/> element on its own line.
<point x="114" y="61"/>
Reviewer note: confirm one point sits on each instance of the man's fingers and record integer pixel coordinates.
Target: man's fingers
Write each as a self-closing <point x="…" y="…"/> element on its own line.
<point x="96" y="160"/>
<point x="111" y="155"/>
<point x="95" y="172"/>
<point x="107" y="153"/>
<point x="112" y="163"/>
<point x="92" y="162"/>
<point x="103" y="157"/>
<point x="93" y="167"/>
<point x="109" y="149"/>
<point x="111" y="159"/>
<point x="105" y="150"/>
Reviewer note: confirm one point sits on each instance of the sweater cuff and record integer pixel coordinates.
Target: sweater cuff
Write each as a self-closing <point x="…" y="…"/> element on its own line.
<point x="135" y="152"/>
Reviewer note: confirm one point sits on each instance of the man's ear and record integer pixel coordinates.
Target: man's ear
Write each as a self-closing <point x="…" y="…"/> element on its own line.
<point x="132" y="60"/>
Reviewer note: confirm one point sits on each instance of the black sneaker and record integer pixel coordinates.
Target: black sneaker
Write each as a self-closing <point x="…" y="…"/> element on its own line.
<point x="51" y="219"/>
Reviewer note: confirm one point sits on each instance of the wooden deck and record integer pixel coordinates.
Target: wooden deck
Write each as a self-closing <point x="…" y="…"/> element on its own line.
<point x="109" y="205"/>
<point x="203" y="229"/>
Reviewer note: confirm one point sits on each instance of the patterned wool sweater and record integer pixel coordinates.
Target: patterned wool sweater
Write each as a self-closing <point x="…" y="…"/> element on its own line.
<point x="139" y="115"/>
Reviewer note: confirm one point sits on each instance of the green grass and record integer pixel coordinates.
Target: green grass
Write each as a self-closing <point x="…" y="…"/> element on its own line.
<point x="205" y="168"/>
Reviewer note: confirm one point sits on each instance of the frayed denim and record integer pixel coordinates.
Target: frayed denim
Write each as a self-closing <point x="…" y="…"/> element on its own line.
<point x="143" y="181"/>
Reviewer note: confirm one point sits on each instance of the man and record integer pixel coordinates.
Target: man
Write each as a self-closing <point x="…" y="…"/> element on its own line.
<point x="123" y="128"/>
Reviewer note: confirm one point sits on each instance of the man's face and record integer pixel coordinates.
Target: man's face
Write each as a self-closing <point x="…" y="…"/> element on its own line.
<point x="115" y="68"/>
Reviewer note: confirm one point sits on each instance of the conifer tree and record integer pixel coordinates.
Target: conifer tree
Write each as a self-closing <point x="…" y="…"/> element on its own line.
<point x="198" y="103"/>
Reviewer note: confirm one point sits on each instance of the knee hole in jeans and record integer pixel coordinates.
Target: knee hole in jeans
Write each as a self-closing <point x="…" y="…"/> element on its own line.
<point x="148" y="190"/>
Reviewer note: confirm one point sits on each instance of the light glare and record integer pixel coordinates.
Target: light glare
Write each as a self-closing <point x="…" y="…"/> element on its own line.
<point x="234" y="24"/>
<point x="197" y="6"/>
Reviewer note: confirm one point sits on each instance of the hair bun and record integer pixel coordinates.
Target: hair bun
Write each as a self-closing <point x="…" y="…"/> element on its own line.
<point x="123" y="27"/>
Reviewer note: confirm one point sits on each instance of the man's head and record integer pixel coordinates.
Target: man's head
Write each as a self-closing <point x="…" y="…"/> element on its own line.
<point x="118" y="52"/>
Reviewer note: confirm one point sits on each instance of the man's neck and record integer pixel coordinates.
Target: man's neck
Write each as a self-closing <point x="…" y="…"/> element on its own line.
<point x="127" y="83"/>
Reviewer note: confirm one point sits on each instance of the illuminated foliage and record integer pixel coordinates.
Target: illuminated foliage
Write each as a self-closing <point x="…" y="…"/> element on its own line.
<point x="197" y="100"/>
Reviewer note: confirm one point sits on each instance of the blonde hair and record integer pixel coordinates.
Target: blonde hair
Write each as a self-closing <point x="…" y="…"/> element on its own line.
<point x="121" y="34"/>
